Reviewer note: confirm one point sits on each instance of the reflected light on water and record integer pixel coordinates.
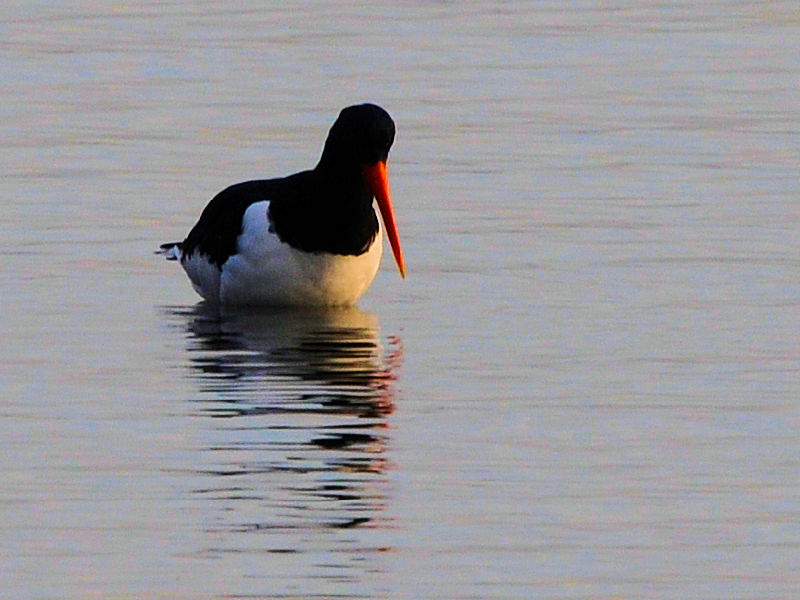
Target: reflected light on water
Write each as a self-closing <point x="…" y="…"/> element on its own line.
<point x="599" y="394"/>
<point x="299" y="439"/>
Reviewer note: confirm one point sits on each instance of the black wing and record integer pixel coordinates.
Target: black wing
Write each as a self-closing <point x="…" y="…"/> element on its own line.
<point x="214" y="235"/>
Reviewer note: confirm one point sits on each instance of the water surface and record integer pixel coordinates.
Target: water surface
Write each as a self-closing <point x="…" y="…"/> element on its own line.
<point x="585" y="388"/>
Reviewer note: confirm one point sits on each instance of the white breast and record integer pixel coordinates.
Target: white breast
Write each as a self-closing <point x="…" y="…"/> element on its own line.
<point x="266" y="271"/>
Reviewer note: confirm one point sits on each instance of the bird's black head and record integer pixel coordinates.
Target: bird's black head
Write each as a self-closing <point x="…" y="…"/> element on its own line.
<point x="361" y="135"/>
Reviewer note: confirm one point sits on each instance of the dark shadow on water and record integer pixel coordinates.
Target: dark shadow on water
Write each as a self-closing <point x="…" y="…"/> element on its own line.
<point x="295" y="408"/>
<point x="284" y="361"/>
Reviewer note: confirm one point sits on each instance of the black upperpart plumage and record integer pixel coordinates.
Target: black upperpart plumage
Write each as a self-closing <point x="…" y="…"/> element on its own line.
<point x="326" y="209"/>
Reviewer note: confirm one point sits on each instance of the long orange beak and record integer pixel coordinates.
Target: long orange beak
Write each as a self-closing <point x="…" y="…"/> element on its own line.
<point x="378" y="181"/>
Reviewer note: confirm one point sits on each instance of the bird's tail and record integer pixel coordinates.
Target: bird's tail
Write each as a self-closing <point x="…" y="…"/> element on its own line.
<point x="171" y="251"/>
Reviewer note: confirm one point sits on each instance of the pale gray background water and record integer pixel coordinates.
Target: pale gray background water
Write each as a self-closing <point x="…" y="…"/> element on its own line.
<point x="587" y="388"/>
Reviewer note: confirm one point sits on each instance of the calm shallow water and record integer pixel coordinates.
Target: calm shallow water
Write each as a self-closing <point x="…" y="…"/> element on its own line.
<point x="586" y="388"/>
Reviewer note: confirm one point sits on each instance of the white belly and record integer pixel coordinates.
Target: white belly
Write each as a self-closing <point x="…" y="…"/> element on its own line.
<point x="268" y="272"/>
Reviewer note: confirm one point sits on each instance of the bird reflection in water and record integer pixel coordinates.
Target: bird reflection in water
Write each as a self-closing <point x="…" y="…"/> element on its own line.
<point x="300" y="403"/>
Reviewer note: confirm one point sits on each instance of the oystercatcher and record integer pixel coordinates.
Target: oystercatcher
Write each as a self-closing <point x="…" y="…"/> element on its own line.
<point x="311" y="238"/>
